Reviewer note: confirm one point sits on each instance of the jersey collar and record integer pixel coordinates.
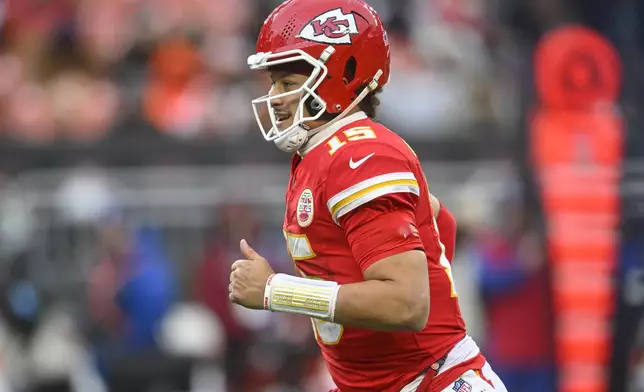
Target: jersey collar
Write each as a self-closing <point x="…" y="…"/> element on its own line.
<point x="326" y="132"/>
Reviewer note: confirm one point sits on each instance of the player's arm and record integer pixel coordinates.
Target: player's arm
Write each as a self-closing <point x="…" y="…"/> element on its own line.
<point x="383" y="237"/>
<point x="394" y="295"/>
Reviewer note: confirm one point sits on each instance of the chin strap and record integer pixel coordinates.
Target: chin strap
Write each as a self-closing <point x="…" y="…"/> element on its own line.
<point x="293" y="141"/>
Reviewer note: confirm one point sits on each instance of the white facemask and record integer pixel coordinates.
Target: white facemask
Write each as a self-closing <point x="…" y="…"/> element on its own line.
<point x="294" y="136"/>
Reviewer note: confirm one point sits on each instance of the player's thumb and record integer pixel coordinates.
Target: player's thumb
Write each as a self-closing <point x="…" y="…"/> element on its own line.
<point x="247" y="251"/>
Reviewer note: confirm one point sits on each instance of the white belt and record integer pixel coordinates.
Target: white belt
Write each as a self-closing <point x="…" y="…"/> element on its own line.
<point x="464" y="350"/>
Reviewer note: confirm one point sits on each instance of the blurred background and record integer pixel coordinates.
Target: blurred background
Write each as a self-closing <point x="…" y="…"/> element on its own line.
<point x="130" y="167"/>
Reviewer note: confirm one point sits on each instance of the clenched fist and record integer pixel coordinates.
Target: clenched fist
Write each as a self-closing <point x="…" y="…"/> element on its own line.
<point x="248" y="278"/>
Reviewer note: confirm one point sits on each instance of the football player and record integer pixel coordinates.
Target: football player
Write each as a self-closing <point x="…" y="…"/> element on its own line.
<point x="360" y="222"/>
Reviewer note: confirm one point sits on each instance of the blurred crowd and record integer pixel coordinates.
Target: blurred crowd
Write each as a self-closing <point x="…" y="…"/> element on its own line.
<point x="117" y="282"/>
<point x="77" y="70"/>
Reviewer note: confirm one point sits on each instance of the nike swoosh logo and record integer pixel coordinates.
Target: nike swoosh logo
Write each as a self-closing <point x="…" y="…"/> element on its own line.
<point x="354" y="165"/>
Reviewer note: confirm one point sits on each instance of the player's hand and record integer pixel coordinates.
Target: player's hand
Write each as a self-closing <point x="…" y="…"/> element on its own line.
<point x="248" y="278"/>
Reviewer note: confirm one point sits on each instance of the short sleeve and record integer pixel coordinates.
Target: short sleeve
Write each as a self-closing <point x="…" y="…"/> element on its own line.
<point x="365" y="172"/>
<point x="374" y="203"/>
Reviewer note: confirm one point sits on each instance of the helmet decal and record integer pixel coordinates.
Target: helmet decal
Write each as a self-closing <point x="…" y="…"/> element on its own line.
<point x="331" y="27"/>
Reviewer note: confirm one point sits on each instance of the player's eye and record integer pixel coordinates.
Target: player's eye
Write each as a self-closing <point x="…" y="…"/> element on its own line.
<point x="288" y="85"/>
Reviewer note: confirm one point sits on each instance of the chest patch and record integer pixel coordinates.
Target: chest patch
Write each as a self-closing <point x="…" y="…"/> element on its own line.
<point x="305" y="208"/>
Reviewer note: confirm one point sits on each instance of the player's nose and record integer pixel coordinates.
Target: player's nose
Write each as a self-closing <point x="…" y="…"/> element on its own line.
<point x="277" y="103"/>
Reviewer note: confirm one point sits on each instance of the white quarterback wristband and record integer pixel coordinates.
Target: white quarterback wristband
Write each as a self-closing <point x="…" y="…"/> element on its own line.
<point x="310" y="297"/>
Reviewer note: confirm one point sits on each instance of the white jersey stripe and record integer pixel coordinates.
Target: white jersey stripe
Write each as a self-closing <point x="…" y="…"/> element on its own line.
<point x="377" y="191"/>
<point x="365" y="187"/>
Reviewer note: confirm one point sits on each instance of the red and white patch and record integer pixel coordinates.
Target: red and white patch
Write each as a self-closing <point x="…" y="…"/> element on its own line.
<point x="331" y="27"/>
<point x="305" y="208"/>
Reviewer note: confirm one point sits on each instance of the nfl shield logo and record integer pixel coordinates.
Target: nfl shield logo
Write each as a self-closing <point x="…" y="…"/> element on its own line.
<point x="462" y="386"/>
<point x="305" y="208"/>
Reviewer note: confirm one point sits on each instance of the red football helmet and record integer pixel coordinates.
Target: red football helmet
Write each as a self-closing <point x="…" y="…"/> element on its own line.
<point x="332" y="36"/>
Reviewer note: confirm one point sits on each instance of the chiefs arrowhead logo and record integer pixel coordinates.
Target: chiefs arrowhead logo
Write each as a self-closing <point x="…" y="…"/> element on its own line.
<point x="332" y="27"/>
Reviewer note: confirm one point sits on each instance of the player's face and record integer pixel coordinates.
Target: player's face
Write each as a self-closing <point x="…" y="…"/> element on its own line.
<point x="285" y="108"/>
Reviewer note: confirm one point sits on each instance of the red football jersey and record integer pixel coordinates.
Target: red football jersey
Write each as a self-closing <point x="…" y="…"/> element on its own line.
<point x="447" y="229"/>
<point x="357" y="196"/>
